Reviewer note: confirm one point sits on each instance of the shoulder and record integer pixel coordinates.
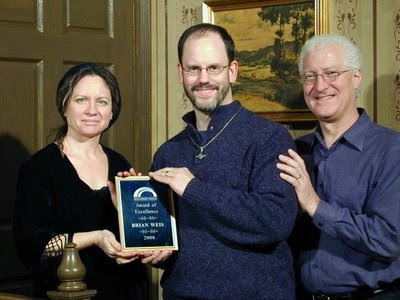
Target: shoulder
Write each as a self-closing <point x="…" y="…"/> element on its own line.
<point x="375" y="135"/>
<point x="176" y="139"/>
<point x="252" y="119"/>
<point x="172" y="144"/>
<point x="262" y="129"/>
<point x="45" y="156"/>
<point x="43" y="163"/>
<point x="380" y="130"/>
<point x="382" y="137"/>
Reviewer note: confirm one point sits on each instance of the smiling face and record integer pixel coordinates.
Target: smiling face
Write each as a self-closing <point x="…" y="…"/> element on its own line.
<point x="88" y="111"/>
<point x="205" y="91"/>
<point x="330" y="101"/>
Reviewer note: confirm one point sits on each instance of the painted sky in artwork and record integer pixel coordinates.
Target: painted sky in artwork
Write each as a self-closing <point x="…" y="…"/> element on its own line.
<point x="247" y="29"/>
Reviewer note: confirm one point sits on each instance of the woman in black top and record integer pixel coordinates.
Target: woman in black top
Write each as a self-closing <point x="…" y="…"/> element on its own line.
<point x="62" y="190"/>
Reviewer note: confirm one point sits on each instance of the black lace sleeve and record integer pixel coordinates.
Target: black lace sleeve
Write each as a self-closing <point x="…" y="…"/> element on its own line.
<point x="55" y="246"/>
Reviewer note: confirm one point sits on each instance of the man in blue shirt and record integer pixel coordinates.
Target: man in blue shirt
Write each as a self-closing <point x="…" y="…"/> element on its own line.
<point x="347" y="181"/>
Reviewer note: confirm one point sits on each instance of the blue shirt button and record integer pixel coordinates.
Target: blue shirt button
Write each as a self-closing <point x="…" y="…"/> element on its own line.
<point x="314" y="266"/>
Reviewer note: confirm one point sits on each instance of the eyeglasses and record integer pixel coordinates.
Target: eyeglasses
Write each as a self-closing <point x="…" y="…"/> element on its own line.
<point x="211" y="70"/>
<point x="328" y="76"/>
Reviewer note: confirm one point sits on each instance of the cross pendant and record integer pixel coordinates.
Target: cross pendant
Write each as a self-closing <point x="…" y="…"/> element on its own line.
<point x="201" y="155"/>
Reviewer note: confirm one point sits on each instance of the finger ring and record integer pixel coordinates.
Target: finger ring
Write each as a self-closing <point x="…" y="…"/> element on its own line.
<point x="166" y="173"/>
<point x="298" y="177"/>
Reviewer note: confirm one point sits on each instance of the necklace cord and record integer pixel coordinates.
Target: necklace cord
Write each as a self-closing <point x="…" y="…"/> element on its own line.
<point x="210" y="141"/>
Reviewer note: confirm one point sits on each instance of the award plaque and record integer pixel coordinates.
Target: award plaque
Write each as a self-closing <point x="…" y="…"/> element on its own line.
<point x="146" y="214"/>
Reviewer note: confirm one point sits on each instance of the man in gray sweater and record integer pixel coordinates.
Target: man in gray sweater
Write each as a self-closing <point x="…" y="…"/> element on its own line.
<point x="234" y="213"/>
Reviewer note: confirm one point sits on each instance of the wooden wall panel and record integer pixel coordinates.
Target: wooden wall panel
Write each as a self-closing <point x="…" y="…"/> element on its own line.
<point x="18" y="14"/>
<point x="19" y="136"/>
<point x="20" y="116"/>
<point x="19" y="119"/>
<point x="39" y="41"/>
<point x="173" y="18"/>
<point x="388" y="63"/>
<point x="92" y="16"/>
<point x="353" y="20"/>
<point x="374" y="26"/>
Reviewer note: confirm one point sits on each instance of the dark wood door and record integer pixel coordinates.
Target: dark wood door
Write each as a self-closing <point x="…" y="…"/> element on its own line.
<point x="39" y="40"/>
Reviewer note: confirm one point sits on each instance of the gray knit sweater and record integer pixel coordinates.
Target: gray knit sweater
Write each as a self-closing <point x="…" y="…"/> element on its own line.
<point x="235" y="215"/>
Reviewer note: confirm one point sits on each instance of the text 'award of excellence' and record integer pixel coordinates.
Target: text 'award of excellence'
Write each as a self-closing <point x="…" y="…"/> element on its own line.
<point x="146" y="214"/>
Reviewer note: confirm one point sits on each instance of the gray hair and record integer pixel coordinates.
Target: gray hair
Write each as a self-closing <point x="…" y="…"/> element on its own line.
<point x="352" y="55"/>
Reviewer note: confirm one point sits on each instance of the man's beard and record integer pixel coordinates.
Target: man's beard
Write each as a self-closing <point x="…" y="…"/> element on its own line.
<point x="216" y="101"/>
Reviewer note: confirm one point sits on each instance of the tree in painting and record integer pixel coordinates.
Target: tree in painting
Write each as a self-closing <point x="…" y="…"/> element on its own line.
<point x="268" y="41"/>
<point x="283" y="59"/>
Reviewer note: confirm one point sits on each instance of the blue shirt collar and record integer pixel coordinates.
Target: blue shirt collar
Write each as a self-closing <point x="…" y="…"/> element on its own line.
<point x="355" y="135"/>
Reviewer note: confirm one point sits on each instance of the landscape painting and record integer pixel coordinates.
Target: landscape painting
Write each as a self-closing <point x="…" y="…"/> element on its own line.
<point x="268" y="39"/>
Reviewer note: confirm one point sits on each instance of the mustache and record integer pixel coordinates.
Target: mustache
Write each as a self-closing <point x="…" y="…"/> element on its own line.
<point x="202" y="86"/>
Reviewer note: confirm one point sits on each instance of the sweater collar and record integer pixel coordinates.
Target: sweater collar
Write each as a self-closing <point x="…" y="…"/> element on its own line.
<point x="219" y="118"/>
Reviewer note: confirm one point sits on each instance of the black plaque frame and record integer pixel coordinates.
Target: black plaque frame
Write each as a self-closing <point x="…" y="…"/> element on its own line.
<point x="146" y="214"/>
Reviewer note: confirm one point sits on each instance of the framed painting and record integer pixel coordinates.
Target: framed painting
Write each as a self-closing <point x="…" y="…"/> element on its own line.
<point x="268" y="35"/>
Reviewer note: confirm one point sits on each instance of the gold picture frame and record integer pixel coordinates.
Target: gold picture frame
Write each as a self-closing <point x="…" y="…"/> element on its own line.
<point x="268" y="75"/>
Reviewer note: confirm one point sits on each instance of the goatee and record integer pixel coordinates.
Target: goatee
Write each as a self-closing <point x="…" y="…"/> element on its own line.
<point x="218" y="98"/>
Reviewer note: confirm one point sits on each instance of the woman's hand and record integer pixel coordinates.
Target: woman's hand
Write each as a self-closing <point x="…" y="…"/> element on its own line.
<point x="155" y="256"/>
<point x="131" y="172"/>
<point x="111" y="185"/>
<point x="127" y="257"/>
<point x="106" y="241"/>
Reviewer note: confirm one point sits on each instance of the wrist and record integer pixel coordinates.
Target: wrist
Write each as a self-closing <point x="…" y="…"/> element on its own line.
<point x="96" y="238"/>
<point x="70" y="238"/>
<point x="312" y="207"/>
